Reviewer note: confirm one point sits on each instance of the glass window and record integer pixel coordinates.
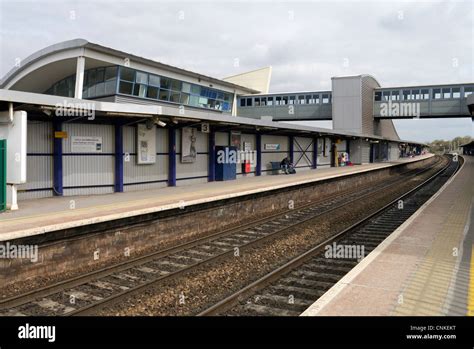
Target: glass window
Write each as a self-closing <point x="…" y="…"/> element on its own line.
<point x="278" y="100"/>
<point x="242" y="102"/>
<point x="220" y="95"/>
<point x="99" y="75"/>
<point x="284" y="100"/>
<point x="315" y="99"/>
<point x="395" y="95"/>
<point x="100" y="89"/>
<point x="257" y="101"/>
<point x="203" y="102"/>
<point x="212" y="94"/>
<point x="185" y="87"/>
<point x="110" y="73"/>
<point x="165" y="83"/>
<point x="425" y="94"/>
<point x="436" y="93"/>
<point x="301" y="100"/>
<point x="227" y="97"/>
<point x="184" y="98"/>
<point x="152" y="92"/>
<point x="416" y="94"/>
<point x="124" y="87"/>
<point x="154" y="80"/>
<point x="194" y="101"/>
<point x="406" y="95"/>
<point x="226" y="106"/>
<point x="141" y="78"/>
<point x="164" y="95"/>
<point x="174" y="97"/>
<point x="92" y="77"/>
<point x="385" y="95"/>
<point x="269" y="101"/>
<point x="308" y="99"/>
<point x="446" y="93"/>
<point x="195" y="89"/>
<point x="468" y="91"/>
<point x="249" y="102"/>
<point x="175" y="85"/>
<point x="127" y="74"/>
<point x="325" y="98"/>
<point x="456" y="92"/>
<point x="378" y="96"/>
<point x="139" y="90"/>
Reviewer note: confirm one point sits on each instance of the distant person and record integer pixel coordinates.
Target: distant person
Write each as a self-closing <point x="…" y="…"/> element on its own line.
<point x="287" y="166"/>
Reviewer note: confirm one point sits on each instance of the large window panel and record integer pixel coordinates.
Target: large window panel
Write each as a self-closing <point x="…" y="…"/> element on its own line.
<point x="141" y="78"/>
<point x="127" y="74"/>
<point x="152" y="92"/>
<point x="125" y="87"/>
<point x="164" y="95"/>
<point x="154" y="80"/>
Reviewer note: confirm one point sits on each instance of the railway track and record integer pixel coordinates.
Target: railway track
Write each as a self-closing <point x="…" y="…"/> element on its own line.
<point x="91" y="292"/>
<point x="292" y="288"/>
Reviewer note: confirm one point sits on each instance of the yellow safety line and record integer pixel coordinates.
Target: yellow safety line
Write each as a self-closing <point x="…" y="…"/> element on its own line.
<point x="470" y="298"/>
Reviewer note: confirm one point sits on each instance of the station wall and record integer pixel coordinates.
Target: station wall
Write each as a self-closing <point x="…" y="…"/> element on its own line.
<point x="149" y="176"/>
<point x="303" y="153"/>
<point x="281" y="145"/>
<point x="39" y="161"/>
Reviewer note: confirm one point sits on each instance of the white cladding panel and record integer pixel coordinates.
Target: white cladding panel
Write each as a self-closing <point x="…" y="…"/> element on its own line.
<point x="89" y="172"/>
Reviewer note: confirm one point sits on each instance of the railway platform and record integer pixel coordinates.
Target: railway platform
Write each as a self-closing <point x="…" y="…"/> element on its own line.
<point x="40" y="216"/>
<point x="424" y="268"/>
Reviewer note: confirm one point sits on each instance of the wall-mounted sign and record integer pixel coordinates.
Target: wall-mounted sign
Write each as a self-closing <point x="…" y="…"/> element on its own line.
<point x="60" y="134"/>
<point x="272" y="146"/>
<point x="188" y="145"/>
<point x="81" y="144"/>
<point x="146" y="144"/>
<point x="205" y="128"/>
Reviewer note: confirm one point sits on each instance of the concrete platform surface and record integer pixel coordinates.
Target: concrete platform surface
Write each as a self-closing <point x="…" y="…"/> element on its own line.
<point x="426" y="267"/>
<point x="50" y="214"/>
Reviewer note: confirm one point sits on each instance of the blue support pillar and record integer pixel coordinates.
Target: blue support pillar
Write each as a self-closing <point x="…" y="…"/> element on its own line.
<point x="211" y="169"/>
<point x="172" y="157"/>
<point x="258" y="147"/>
<point x="57" y="160"/>
<point x="315" y="153"/>
<point x="291" y="148"/>
<point x="118" y="158"/>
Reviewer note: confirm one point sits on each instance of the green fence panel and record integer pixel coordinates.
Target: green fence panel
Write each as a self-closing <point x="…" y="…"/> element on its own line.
<point x="3" y="174"/>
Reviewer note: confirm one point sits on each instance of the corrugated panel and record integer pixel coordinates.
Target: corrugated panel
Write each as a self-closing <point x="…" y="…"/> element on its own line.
<point x="195" y="169"/>
<point x="88" y="191"/>
<point x="88" y="170"/>
<point x="90" y="130"/>
<point x="365" y="152"/>
<point x="39" y="161"/>
<point x="148" y="186"/>
<point x="39" y="137"/>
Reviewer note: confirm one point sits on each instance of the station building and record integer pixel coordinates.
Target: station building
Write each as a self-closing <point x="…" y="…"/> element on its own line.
<point x="80" y="119"/>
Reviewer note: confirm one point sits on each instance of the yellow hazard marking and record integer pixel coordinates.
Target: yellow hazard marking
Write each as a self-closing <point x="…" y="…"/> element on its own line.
<point x="470" y="298"/>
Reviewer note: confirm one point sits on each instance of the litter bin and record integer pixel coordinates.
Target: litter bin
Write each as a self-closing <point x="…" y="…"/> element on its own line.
<point x="275" y="167"/>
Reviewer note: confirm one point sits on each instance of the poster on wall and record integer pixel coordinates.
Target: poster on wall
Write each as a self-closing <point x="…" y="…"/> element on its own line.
<point x="188" y="144"/>
<point x="80" y="144"/>
<point x="235" y="139"/>
<point x="146" y="144"/>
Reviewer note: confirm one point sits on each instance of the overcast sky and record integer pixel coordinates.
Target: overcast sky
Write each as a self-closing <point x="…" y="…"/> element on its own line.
<point x="306" y="43"/>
